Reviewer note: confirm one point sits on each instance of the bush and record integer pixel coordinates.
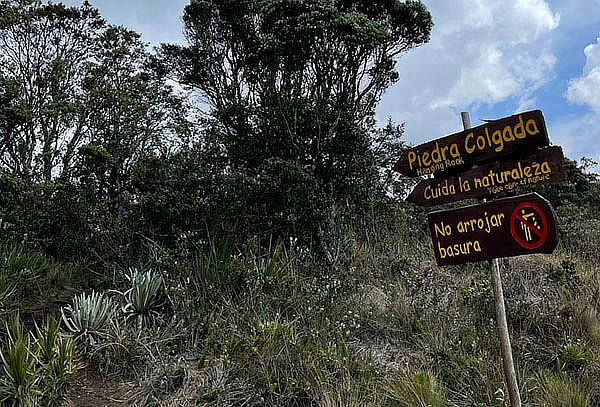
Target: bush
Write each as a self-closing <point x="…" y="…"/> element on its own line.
<point x="38" y="369"/>
<point x="559" y="391"/>
<point x="27" y="275"/>
<point x="419" y="389"/>
<point x="89" y="316"/>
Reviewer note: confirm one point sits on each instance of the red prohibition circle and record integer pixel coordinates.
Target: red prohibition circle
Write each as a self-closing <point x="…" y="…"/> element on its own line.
<point x="541" y="234"/>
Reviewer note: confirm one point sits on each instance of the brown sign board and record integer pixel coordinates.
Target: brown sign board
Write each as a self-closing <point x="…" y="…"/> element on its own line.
<point x="542" y="167"/>
<point x="511" y="136"/>
<point x="503" y="228"/>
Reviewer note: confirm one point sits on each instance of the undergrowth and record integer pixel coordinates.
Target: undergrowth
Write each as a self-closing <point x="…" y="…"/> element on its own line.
<point x="376" y="323"/>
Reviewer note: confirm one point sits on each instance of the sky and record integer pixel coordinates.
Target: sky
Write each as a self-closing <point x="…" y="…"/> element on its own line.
<point x="491" y="58"/>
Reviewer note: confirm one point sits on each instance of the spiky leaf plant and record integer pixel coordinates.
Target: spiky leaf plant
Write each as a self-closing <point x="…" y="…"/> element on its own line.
<point x="7" y="291"/>
<point x="143" y="300"/>
<point x="38" y="369"/>
<point x="19" y="375"/>
<point x="89" y="315"/>
<point x="57" y="357"/>
<point x="25" y="270"/>
<point x="46" y="339"/>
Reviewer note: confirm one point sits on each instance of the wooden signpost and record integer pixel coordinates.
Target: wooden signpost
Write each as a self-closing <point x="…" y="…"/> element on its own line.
<point x="542" y="167"/>
<point x="502" y="228"/>
<point x="481" y="162"/>
<point x="511" y="136"/>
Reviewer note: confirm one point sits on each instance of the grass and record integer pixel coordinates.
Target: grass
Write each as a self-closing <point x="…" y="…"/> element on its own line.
<point x="558" y="390"/>
<point x="377" y="323"/>
<point x="420" y="389"/>
<point x="360" y="330"/>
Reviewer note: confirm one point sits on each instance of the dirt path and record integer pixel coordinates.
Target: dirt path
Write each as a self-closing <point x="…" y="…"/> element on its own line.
<point x="98" y="391"/>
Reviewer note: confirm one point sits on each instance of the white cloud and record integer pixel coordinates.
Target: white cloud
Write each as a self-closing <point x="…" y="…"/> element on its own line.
<point x="481" y="52"/>
<point x="585" y="90"/>
<point x="490" y="79"/>
<point x="524" y="12"/>
<point x="578" y="136"/>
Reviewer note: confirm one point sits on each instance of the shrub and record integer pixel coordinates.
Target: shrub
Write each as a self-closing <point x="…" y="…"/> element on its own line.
<point x="270" y="267"/>
<point x="125" y="350"/>
<point x="57" y="357"/>
<point x="89" y="315"/>
<point x="24" y="275"/>
<point x="571" y="357"/>
<point x="419" y="389"/>
<point x="37" y="370"/>
<point x="142" y="299"/>
<point x="209" y="277"/>
<point x="558" y="391"/>
<point x="564" y="273"/>
<point x="19" y="376"/>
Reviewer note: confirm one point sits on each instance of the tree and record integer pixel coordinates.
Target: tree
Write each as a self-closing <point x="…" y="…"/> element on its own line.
<point x="135" y="111"/>
<point x="292" y="86"/>
<point x="43" y="50"/>
<point x="580" y="189"/>
<point x="73" y="80"/>
<point x="81" y="103"/>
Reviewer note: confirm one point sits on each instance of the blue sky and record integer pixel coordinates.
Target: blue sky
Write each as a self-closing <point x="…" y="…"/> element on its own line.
<point x="492" y="58"/>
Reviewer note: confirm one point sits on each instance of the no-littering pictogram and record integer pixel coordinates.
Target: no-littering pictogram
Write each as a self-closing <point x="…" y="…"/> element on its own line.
<point x="528" y="225"/>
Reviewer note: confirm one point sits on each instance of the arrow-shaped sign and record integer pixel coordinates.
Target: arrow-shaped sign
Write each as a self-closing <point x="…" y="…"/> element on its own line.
<point x="511" y="136"/>
<point x="543" y="167"/>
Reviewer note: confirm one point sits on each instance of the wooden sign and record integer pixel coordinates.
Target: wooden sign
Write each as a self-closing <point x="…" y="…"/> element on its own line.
<point x="511" y="136"/>
<point x="503" y="228"/>
<point x="543" y="167"/>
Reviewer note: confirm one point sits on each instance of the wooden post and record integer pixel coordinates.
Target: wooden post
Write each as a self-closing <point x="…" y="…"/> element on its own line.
<point x="508" y="366"/>
<point x="466" y="120"/>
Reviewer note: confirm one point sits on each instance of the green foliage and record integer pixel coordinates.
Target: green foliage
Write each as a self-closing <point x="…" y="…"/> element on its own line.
<point x="281" y="366"/>
<point x="82" y="103"/>
<point x="465" y="360"/>
<point x="89" y="316"/>
<point x="572" y="356"/>
<point x="292" y="87"/>
<point x="564" y="273"/>
<point x="323" y="291"/>
<point x="37" y="370"/>
<point x="128" y="351"/>
<point x="98" y="156"/>
<point x="142" y="299"/>
<point x="27" y="276"/>
<point x="270" y="266"/>
<point x="419" y="389"/>
<point x="559" y="391"/>
<point x="18" y="381"/>
<point x="211" y="276"/>
<point x="71" y="81"/>
<point x="580" y="189"/>
<point x="48" y="85"/>
<point x="57" y="357"/>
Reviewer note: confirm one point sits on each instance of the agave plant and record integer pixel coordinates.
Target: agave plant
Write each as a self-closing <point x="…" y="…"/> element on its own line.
<point x="142" y="300"/>
<point x="18" y="377"/>
<point x="38" y="369"/>
<point x="56" y="356"/>
<point x="60" y="372"/>
<point x="89" y="315"/>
